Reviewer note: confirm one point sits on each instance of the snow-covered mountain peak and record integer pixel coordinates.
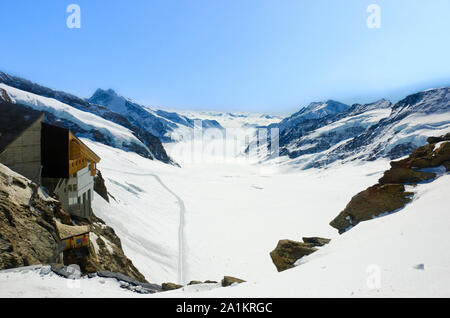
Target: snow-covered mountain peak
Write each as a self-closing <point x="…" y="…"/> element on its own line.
<point x="436" y="100"/>
<point x="322" y="109"/>
<point x="380" y="104"/>
<point x="110" y="99"/>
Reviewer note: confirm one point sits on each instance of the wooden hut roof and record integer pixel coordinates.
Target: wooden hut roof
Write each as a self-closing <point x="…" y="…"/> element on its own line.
<point x="67" y="231"/>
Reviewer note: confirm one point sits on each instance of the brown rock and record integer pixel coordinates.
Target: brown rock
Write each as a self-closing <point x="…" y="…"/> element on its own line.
<point x="210" y="282"/>
<point x="195" y="282"/>
<point x="434" y="140"/>
<point x="170" y="286"/>
<point x="100" y="187"/>
<point x="447" y="165"/>
<point x="61" y="214"/>
<point x="371" y="202"/>
<point x="316" y="241"/>
<point x="426" y="157"/>
<point x="28" y="234"/>
<point x="288" y="252"/>
<point x="405" y="175"/>
<point x="229" y="280"/>
<point x="110" y="255"/>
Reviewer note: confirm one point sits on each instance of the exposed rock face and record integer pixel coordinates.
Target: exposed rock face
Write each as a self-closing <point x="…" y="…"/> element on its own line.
<point x="61" y="214"/>
<point x="104" y="253"/>
<point x="435" y="140"/>
<point x="229" y="280"/>
<point x="288" y="252"/>
<point x="389" y="194"/>
<point x="28" y="234"/>
<point x="370" y="203"/>
<point x="405" y="175"/>
<point x="100" y="187"/>
<point x="4" y="96"/>
<point x="316" y="241"/>
<point x="210" y="282"/>
<point x="194" y="282"/>
<point x="428" y="156"/>
<point x="131" y="284"/>
<point x="170" y="286"/>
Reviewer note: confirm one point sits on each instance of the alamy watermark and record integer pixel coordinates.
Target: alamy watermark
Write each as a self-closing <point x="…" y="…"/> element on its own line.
<point x="74" y="19"/>
<point x="203" y="144"/>
<point x="374" y="276"/>
<point x="374" y="19"/>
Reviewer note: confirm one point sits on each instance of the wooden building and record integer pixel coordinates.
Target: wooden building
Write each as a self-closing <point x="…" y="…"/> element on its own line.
<point x="68" y="169"/>
<point x="48" y="155"/>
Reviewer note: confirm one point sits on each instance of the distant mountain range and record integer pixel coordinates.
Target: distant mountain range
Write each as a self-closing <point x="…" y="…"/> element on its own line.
<point x="160" y="123"/>
<point x="315" y="136"/>
<point x="325" y="132"/>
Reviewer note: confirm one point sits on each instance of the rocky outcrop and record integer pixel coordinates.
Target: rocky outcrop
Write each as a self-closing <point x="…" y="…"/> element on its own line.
<point x="288" y="252"/>
<point x="61" y="214"/>
<point x="428" y="156"/>
<point x="389" y="194"/>
<point x="28" y="234"/>
<point x="316" y="241"/>
<point x="131" y="284"/>
<point x="170" y="286"/>
<point x="105" y="252"/>
<point x="370" y="203"/>
<point x="229" y="280"/>
<point x="4" y="96"/>
<point x="195" y="282"/>
<point x="100" y="187"/>
<point x="405" y="175"/>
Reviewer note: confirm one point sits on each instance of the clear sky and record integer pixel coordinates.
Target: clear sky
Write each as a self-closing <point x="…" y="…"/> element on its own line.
<point x="239" y="55"/>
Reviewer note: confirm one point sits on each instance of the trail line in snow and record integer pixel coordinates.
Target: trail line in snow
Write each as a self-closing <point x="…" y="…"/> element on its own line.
<point x="181" y="247"/>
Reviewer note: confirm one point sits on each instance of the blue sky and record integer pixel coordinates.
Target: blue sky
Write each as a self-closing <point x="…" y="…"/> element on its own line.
<point x="238" y="55"/>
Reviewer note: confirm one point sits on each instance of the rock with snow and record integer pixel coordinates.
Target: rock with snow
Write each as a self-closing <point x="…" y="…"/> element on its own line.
<point x="389" y="194"/>
<point x="170" y="286"/>
<point x="288" y="252"/>
<point x="28" y="233"/>
<point x="194" y="282"/>
<point x="229" y="280"/>
<point x="370" y="203"/>
<point x="100" y="187"/>
<point x="316" y="241"/>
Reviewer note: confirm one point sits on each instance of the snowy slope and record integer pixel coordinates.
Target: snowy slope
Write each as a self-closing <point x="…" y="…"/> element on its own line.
<point x="235" y="212"/>
<point x="86" y="121"/>
<point x="399" y="255"/>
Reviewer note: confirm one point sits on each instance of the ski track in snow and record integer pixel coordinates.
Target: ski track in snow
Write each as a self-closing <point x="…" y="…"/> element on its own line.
<point x="181" y="252"/>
